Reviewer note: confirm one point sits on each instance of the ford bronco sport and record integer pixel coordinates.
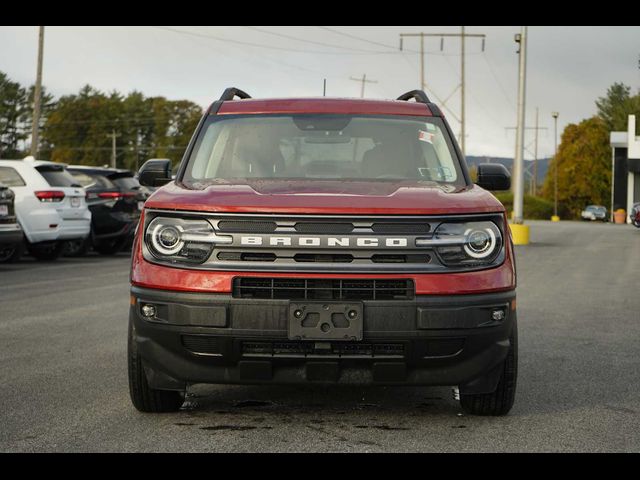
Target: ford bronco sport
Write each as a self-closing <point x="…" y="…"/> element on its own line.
<point x="328" y="241"/>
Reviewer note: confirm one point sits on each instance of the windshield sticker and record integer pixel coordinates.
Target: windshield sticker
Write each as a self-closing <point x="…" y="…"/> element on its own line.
<point x="436" y="173"/>
<point x="425" y="136"/>
<point x="431" y="126"/>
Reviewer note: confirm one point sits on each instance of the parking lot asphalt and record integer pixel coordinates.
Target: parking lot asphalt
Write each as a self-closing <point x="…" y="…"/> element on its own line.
<point x="63" y="372"/>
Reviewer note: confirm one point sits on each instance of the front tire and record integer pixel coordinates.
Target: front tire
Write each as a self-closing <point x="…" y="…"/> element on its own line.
<point x="11" y="253"/>
<point x="143" y="397"/>
<point x="499" y="402"/>
<point x="76" y="248"/>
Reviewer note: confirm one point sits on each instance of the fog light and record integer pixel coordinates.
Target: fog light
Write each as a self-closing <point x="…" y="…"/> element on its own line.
<point x="148" y="310"/>
<point x="497" y="315"/>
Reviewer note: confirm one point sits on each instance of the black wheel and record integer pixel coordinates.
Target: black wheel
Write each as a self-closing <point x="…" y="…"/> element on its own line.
<point x="109" y="248"/>
<point x="500" y="401"/>
<point x="143" y="397"/>
<point x="11" y="253"/>
<point x="46" y="252"/>
<point x="76" y="248"/>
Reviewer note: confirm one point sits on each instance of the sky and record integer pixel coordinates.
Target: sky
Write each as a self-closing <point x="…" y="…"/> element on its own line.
<point x="568" y="68"/>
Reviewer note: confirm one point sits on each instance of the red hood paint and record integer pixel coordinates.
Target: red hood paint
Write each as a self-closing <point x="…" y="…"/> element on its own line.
<point x="326" y="197"/>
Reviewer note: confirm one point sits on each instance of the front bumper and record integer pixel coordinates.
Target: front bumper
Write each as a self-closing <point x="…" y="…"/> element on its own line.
<point x="215" y="338"/>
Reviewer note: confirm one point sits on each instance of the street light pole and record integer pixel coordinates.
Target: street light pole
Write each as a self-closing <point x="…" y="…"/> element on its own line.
<point x="518" y="164"/>
<point x="555" y="163"/>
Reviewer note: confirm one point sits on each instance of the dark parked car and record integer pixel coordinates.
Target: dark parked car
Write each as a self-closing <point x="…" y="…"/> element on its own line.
<point x="11" y="243"/>
<point x="115" y="199"/>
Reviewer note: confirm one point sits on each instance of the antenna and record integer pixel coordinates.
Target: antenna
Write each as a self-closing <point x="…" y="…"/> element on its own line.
<point x="324" y="88"/>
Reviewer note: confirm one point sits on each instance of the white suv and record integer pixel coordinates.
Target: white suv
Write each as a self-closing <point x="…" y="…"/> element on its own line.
<point x="49" y="203"/>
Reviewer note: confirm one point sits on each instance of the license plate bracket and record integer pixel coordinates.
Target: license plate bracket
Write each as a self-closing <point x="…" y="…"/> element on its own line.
<point x="326" y="321"/>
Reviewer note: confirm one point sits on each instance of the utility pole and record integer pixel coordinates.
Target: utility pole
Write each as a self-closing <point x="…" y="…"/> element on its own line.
<point x="37" y="94"/>
<point x="518" y="170"/>
<point x="462" y="129"/>
<point x="534" y="185"/>
<point x="555" y="164"/>
<point x="462" y="35"/>
<point x="362" y="81"/>
<point x="113" y="136"/>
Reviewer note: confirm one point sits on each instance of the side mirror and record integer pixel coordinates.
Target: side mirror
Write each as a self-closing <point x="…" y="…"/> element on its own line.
<point x="155" y="172"/>
<point x="493" y="176"/>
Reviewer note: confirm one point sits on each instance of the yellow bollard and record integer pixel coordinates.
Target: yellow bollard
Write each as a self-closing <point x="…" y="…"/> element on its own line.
<point x="555" y="218"/>
<point x="520" y="233"/>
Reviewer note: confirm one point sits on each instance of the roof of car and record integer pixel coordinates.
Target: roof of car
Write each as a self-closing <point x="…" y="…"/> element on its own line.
<point x="33" y="162"/>
<point x="323" y="105"/>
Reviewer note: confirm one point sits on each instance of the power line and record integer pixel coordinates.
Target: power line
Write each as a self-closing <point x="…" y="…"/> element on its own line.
<point x="291" y="37"/>
<point x="272" y="47"/>
<point x="504" y="92"/>
<point x="462" y="35"/>
<point x="348" y="35"/>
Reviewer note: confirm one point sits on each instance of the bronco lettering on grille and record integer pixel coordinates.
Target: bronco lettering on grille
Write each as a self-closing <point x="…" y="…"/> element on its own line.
<point x="328" y="242"/>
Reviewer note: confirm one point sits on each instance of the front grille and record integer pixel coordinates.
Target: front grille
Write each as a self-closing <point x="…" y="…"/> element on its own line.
<point x="324" y="227"/>
<point x="246" y="257"/>
<point x="328" y="350"/>
<point x="322" y="289"/>
<point x="390" y="258"/>
<point x="401" y="228"/>
<point x="233" y="226"/>
<point x="323" y="257"/>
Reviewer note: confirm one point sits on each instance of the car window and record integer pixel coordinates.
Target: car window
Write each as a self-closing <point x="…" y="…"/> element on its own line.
<point x="57" y="177"/>
<point x="126" y="183"/>
<point x="97" y="181"/>
<point x="83" y="179"/>
<point x="325" y="147"/>
<point x="10" y="177"/>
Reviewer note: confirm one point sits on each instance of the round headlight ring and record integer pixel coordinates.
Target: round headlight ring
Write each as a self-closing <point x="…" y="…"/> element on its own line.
<point x="166" y="239"/>
<point x="474" y="235"/>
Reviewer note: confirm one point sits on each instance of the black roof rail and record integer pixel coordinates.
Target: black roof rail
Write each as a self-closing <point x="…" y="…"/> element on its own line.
<point x="417" y="95"/>
<point x="232" y="92"/>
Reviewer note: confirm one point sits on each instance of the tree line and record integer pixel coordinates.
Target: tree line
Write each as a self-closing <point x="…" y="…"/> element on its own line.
<point x="79" y="128"/>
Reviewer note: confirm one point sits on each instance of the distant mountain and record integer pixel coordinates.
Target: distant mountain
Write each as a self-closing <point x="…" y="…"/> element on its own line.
<point x="543" y="165"/>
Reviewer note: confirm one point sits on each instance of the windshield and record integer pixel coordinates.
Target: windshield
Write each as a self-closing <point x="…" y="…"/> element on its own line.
<point x="324" y="147"/>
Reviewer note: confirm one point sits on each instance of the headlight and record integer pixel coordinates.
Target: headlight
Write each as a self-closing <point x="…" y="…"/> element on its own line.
<point x="465" y="244"/>
<point x="181" y="240"/>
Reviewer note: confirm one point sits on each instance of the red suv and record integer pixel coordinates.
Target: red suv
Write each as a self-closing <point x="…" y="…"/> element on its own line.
<point x="322" y="240"/>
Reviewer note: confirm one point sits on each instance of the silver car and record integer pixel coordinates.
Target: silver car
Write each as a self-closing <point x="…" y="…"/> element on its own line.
<point x="594" y="212"/>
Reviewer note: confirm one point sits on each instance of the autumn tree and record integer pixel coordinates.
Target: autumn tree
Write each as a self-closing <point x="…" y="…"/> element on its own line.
<point x="584" y="168"/>
<point x="79" y="129"/>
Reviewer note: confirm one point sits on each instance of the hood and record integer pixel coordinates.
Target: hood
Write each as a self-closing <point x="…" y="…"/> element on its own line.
<point x="326" y="197"/>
